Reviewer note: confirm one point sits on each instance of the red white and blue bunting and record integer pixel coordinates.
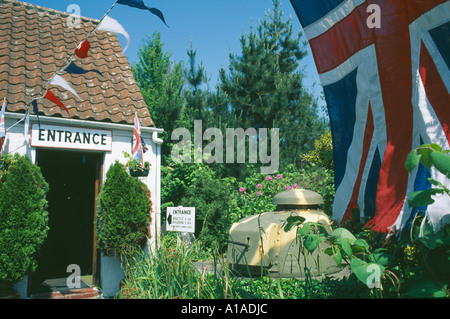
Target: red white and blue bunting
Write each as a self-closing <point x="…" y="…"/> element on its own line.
<point x="82" y="51"/>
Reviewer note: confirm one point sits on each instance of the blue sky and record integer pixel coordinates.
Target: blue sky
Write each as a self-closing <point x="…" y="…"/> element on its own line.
<point x="213" y="26"/>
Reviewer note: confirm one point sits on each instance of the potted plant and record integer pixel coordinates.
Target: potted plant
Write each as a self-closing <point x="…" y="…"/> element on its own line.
<point x="135" y="166"/>
<point x="23" y="219"/>
<point x="123" y="219"/>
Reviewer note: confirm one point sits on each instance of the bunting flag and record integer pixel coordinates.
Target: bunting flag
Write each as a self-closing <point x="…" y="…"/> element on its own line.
<point x="2" y="124"/>
<point x="51" y="97"/>
<point x="59" y="81"/>
<point x="384" y="68"/>
<point x="74" y="69"/>
<point x="110" y="25"/>
<point x="140" y="5"/>
<point x="139" y="146"/>
<point x="36" y="111"/>
<point x="82" y="50"/>
<point x="106" y="24"/>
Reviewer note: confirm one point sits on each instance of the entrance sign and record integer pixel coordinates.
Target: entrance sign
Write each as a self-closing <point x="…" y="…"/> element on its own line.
<point x="180" y="219"/>
<point x="54" y="136"/>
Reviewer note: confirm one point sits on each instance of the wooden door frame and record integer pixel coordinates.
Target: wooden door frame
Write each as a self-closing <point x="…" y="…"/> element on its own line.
<point x="95" y="255"/>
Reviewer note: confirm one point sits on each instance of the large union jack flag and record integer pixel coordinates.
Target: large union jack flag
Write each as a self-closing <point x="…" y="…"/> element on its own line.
<point x="387" y="91"/>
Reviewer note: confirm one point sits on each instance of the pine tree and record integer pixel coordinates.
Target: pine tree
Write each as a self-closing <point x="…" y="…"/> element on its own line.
<point x="161" y="82"/>
<point x="265" y="88"/>
<point x="196" y="107"/>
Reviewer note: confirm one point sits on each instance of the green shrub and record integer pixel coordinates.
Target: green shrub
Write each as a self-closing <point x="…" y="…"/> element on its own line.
<point x="123" y="212"/>
<point x="168" y="272"/>
<point x="255" y="194"/>
<point x="23" y="216"/>
<point x="210" y="197"/>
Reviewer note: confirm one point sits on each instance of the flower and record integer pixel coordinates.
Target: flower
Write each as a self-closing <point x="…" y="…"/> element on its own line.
<point x="279" y="176"/>
<point x="295" y="185"/>
<point x="242" y="190"/>
<point x="268" y="178"/>
<point x="288" y="187"/>
<point x="259" y="193"/>
<point x="259" y="186"/>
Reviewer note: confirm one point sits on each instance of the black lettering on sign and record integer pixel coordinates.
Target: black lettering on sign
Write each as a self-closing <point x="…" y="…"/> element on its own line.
<point x="86" y="138"/>
<point x="68" y="137"/>
<point x="93" y="138"/>
<point x="51" y="135"/>
<point x="77" y="138"/>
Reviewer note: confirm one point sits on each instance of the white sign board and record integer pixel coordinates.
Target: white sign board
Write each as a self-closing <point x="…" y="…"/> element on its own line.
<point x="54" y="136"/>
<point x="180" y="219"/>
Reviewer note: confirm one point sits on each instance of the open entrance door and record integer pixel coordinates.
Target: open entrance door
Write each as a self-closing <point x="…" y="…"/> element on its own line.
<point x="73" y="179"/>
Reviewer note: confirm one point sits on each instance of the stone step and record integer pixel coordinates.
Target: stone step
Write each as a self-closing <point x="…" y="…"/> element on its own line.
<point x="82" y="293"/>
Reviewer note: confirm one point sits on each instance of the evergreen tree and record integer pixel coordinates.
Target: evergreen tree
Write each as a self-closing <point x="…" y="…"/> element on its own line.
<point x="196" y="107"/>
<point x="265" y="86"/>
<point x="161" y="82"/>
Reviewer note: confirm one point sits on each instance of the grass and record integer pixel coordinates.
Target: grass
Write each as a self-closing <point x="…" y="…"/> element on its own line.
<point x="169" y="272"/>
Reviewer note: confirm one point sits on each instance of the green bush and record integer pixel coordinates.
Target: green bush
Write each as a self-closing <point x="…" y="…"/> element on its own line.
<point x="254" y="195"/>
<point x="210" y="197"/>
<point x="123" y="212"/>
<point x="23" y="216"/>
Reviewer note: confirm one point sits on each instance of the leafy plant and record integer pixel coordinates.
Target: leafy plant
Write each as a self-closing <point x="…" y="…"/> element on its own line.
<point x="168" y="272"/>
<point x="23" y="216"/>
<point x="322" y="154"/>
<point x="123" y="210"/>
<point x="255" y="194"/>
<point x="428" y="155"/>
<point x="135" y="166"/>
<point x="370" y="266"/>
<point x="210" y="197"/>
<point x="433" y="248"/>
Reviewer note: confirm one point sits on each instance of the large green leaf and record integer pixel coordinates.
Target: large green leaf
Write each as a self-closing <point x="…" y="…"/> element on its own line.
<point x="428" y="239"/>
<point x="361" y="243"/>
<point x="382" y="257"/>
<point x="423" y="198"/>
<point x="337" y="256"/>
<point x="345" y="244"/>
<point x="293" y="221"/>
<point x="312" y="241"/>
<point x="412" y="161"/>
<point x="441" y="161"/>
<point x="343" y="233"/>
<point x="304" y="230"/>
<point x="367" y="273"/>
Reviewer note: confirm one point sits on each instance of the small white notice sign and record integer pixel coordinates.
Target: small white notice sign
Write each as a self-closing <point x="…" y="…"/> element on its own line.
<point x="180" y="219"/>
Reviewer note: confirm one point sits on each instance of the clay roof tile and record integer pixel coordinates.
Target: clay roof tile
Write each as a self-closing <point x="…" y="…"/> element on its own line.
<point x="25" y="66"/>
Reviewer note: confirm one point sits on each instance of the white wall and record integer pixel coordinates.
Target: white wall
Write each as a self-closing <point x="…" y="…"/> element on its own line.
<point x="15" y="142"/>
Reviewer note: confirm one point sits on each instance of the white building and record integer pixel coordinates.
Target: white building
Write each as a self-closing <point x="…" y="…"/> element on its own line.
<point x="74" y="152"/>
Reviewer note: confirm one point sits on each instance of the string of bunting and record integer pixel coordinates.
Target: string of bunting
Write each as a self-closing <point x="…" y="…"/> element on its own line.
<point x="106" y="23"/>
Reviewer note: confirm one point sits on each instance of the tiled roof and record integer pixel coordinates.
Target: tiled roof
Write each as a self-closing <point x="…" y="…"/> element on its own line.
<point x="35" y="42"/>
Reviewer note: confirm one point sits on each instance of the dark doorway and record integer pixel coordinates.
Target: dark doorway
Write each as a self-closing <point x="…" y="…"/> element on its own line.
<point x="73" y="182"/>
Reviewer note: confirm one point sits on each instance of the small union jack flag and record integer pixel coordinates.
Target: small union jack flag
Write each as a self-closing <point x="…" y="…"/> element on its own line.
<point x="2" y="119"/>
<point x="139" y="146"/>
<point x="387" y="91"/>
<point x="2" y="124"/>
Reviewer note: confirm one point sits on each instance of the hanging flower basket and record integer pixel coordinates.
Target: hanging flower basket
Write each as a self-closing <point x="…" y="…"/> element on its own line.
<point x="135" y="167"/>
<point x="139" y="172"/>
